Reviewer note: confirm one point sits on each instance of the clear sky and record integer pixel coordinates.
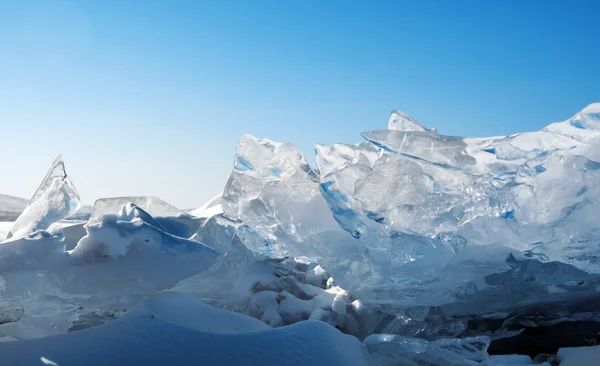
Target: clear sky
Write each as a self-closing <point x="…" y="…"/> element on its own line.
<point x="149" y="97"/>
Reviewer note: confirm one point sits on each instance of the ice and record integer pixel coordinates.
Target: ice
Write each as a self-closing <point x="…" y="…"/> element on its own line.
<point x="274" y="191"/>
<point x="55" y="199"/>
<point x="432" y="220"/>
<point x="392" y="350"/>
<point x="340" y="166"/>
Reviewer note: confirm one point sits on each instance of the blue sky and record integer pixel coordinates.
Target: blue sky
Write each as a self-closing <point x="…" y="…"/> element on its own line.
<point x="150" y="97"/>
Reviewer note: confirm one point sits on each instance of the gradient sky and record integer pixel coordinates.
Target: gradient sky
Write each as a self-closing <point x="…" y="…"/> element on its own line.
<point x="149" y="97"/>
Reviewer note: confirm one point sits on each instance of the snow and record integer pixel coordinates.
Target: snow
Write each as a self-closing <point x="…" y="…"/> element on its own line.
<point x="210" y="208"/>
<point x="593" y="108"/>
<point x="177" y="330"/>
<point x="579" y="356"/>
<point x="509" y="360"/>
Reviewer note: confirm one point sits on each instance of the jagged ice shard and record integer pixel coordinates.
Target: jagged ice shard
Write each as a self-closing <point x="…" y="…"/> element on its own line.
<point x="55" y="199"/>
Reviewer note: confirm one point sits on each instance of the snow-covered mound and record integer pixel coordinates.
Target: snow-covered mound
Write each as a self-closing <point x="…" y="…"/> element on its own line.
<point x="177" y="330"/>
<point x="166" y="216"/>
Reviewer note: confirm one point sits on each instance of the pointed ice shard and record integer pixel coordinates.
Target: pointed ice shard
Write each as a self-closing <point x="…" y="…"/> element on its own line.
<point x="400" y="121"/>
<point x="55" y="199"/>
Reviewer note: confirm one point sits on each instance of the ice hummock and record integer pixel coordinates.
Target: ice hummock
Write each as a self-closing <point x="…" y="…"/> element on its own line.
<point x="55" y="199"/>
<point x="422" y="219"/>
<point x="435" y="243"/>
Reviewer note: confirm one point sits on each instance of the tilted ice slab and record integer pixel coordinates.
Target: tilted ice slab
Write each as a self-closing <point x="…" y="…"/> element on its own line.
<point x="55" y="199"/>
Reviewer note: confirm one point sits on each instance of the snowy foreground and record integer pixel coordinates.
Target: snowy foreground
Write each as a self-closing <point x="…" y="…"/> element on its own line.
<point x="412" y="248"/>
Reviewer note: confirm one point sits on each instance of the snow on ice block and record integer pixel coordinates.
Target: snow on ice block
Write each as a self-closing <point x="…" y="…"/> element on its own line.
<point x="55" y="199"/>
<point x="131" y="227"/>
<point x="510" y="360"/>
<point x="579" y="356"/>
<point x="210" y="208"/>
<point x="120" y="261"/>
<point x="158" y="334"/>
